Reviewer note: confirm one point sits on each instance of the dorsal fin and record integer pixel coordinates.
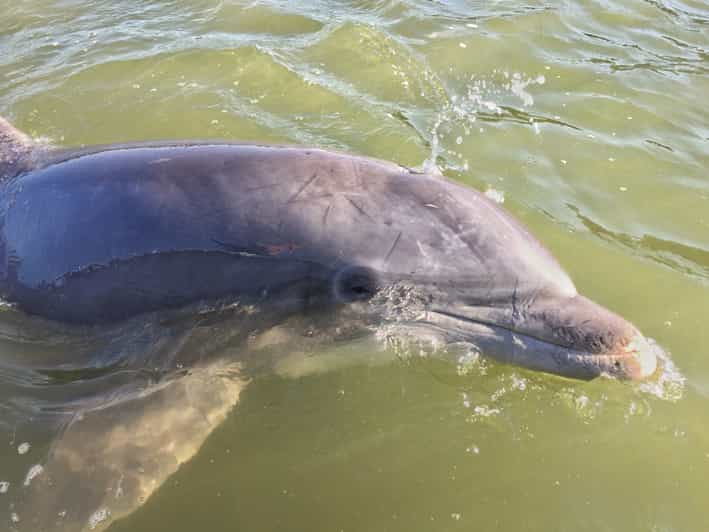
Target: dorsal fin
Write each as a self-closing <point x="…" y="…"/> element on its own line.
<point x="16" y="150"/>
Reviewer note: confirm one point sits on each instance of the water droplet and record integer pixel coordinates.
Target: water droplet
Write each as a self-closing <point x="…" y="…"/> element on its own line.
<point x="98" y="517"/>
<point x="495" y="195"/>
<point x="33" y="472"/>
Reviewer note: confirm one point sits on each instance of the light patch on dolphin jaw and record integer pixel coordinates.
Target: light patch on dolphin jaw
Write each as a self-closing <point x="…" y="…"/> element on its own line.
<point x="537" y="355"/>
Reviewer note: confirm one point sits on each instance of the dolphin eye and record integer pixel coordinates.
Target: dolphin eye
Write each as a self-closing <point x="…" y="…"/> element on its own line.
<point x="355" y="283"/>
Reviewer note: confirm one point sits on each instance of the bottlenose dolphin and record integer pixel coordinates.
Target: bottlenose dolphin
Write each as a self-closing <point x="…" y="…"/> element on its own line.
<point x="147" y="259"/>
<point x="109" y="232"/>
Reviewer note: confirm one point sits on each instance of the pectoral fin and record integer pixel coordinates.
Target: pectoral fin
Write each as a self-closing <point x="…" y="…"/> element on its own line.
<point x="108" y="461"/>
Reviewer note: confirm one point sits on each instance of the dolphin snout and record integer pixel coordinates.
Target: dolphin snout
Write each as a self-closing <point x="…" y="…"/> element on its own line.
<point x="613" y="344"/>
<point x="575" y="337"/>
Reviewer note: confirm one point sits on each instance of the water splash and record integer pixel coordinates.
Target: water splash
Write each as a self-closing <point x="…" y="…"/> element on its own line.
<point x="98" y="517"/>
<point x="33" y="473"/>
<point x="487" y="98"/>
<point x="471" y="363"/>
<point x="495" y="195"/>
<point x="669" y="384"/>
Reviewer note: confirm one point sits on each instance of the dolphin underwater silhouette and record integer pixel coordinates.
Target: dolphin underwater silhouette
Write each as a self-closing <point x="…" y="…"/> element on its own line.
<point x="98" y="238"/>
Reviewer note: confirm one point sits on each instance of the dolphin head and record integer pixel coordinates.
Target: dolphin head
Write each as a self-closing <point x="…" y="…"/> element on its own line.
<point x="459" y="265"/>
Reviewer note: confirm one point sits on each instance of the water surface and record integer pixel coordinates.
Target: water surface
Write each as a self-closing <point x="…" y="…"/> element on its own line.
<point x="589" y="119"/>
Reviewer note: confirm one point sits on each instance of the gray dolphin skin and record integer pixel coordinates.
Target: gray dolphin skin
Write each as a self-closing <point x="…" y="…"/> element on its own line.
<point x="102" y="234"/>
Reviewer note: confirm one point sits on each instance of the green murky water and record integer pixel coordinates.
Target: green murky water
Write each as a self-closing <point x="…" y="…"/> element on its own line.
<point x="589" y="118"/>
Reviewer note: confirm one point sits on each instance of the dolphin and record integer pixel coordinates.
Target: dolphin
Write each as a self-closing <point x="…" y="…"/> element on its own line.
<point x="155" y="280"/>
<point x="105" y="233"/>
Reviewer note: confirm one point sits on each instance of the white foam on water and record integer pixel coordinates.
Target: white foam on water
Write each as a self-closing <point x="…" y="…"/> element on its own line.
<point x="98" y="517"/>
<point x="483" y="411"/>
<point x="470" y="363"/>
<point x="582" y="402"/>
<point x="495" y="195"/>
<point x="4" y="486"/>
<point x="669" y="384"/>
<point x="23" y="448"/>
<point x="33" y="473"/>
<point x="586" y="407"/>
<point x="518" y="383"/>
<point x="518" y="86"/>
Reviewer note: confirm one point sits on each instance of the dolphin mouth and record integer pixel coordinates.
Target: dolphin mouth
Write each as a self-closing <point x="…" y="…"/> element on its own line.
<point x="636" y="359"/>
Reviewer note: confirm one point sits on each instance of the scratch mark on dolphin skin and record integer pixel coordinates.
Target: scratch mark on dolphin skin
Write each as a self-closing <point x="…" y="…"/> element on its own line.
<point x="421" y="249"/>
<point x="515" y="310"/>
<point x="356" y="172"/>
<point x="263" y="187"/>
<point x="393" y="246"/>
<point x="327" y="212"/>
<point x="526" y="307"/>
<point x="302" y="188"/>
<point x="359" y="208"/>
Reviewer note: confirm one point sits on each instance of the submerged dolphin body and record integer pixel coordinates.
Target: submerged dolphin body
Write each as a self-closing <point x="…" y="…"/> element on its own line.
<point x="106" y="233"/>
